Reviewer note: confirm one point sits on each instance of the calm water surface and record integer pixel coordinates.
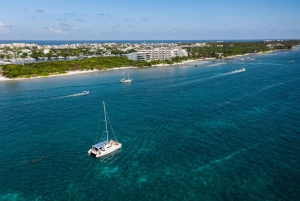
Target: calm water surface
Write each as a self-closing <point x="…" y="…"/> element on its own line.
<point x="189" y="133"/>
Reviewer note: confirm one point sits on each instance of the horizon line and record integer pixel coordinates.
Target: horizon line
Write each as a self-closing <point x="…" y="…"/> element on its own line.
<point x="142" y="39"/>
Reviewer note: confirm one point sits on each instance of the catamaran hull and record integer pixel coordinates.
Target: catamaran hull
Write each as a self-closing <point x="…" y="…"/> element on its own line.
<point x="99" y="153"/>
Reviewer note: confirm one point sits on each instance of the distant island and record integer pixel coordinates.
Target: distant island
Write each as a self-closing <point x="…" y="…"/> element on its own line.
<point x="32" y="60"/>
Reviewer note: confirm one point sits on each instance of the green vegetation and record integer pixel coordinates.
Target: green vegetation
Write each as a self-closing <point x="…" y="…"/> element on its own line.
<point x="119" y="52"/>
<point x="212" y="49"/>
<point x="225" y="49"/>
<point x="58" y="67"/>
<point x="179" y="59"/>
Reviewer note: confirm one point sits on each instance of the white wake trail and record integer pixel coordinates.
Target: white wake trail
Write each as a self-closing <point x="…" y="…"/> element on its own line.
<point x="207" y="78"/>
<point x="77" y="94"/>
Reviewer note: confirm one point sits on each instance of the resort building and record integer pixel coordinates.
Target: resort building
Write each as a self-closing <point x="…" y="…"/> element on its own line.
<point x="156" y="54"/>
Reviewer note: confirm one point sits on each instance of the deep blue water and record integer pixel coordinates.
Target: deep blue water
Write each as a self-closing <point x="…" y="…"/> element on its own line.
<point x="188" y="133"/>
<point x="61" y="42"/>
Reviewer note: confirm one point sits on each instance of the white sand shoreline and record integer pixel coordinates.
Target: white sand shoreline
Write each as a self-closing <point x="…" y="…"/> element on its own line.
<point x="3" y="78"/>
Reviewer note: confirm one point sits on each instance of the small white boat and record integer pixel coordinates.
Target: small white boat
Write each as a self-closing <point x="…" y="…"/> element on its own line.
<point x="85" y="92"/>
<point x="124" y="80"/>
<point x="238" y="71"/>
<point x="105" y="147"/>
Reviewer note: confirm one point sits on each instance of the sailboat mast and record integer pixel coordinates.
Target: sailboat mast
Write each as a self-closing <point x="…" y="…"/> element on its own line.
<point x="105" y="121"/>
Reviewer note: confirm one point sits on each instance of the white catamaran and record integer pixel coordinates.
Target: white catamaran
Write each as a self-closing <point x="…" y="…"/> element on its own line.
<point x="124" y="80"/>
<point x="107" y="146"/>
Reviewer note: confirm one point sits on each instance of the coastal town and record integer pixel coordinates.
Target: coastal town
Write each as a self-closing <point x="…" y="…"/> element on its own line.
<point x="22" y="60"/>
<point x="18" y="53"/>
<point x="23" y="52"/>
<point x="150" y="100"/>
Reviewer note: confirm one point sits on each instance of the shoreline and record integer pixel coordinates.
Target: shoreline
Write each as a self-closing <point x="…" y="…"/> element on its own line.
<point x="3" y="78"/>
<point x="77" y="72"/>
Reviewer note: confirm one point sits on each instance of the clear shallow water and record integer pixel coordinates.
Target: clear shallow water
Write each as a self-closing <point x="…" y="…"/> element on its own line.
<point x="202" y="133"/>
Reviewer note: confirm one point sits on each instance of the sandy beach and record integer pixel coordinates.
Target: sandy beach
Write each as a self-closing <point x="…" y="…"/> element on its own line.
<point x="3" y="78"/>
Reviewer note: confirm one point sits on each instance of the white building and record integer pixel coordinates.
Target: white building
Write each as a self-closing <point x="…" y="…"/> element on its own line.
<point x="156" y="54"/>
<point x="132" y="56"/>
<point x="144" y="55"/>
<point x="161" y="54"/>
<point x="18" y="44"/>
<point x="179" y="53"/>
<point x="46" y="51"/>
<point x="6" y="45"/>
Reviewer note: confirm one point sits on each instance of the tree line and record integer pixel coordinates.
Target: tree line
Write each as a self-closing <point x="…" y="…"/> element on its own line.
<point x="217" y="50"/>
<point x="225" y="49"/>
<point x="28" y="70"/>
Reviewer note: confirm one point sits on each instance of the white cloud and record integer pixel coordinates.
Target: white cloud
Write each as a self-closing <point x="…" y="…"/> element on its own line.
<point x="53" y="30"/>
<point x="4" y="29"/>
<point x="244" y="32"/>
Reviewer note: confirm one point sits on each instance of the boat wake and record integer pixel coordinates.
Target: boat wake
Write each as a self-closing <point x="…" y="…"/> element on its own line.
<point x="237" y="71"/>
<point x="228" y="157"/>
<point x="207" y="78"/>
<point x="216" y="64"/>
<point x="268" y="87"/>
<point x="78" y="94"/>
<point x="216" y="161"/>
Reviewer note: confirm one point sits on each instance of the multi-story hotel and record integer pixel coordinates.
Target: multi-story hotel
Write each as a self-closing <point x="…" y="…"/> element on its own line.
<point x="156" y="54"/>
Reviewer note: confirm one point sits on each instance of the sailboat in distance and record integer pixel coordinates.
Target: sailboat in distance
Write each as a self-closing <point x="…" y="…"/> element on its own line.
<point x="105" y="147"/>
<point x="124" y="80"/>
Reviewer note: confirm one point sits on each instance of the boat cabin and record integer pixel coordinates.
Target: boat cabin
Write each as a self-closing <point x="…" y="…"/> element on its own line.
<point x="99" y="146"/>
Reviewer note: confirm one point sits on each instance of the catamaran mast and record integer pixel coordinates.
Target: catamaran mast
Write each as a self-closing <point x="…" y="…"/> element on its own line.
<point x="105" y="121"/>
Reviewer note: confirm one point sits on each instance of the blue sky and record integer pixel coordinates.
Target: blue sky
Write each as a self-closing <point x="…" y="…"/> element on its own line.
<point x="149" y="20"/>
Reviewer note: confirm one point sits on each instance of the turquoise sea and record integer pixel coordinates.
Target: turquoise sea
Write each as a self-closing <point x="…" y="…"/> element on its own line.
<point x="210" y="132"/>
